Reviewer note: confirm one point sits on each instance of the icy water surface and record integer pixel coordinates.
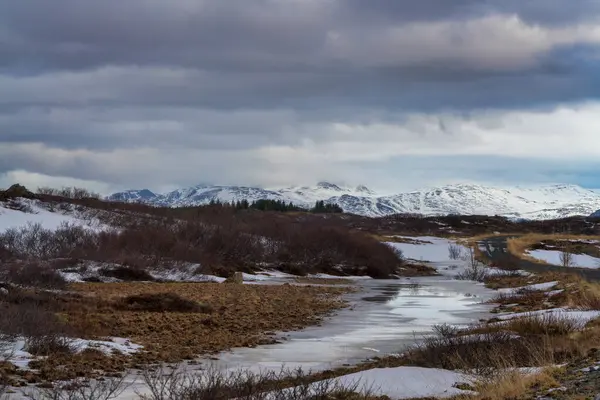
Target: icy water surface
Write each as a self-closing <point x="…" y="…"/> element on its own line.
<point x="385" y="316"/>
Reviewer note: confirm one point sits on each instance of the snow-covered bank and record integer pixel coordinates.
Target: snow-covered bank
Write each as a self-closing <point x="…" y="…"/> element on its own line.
<point x="554" y="257"/>
<point x="579" y="317"/>
<point x="404" y="382"/>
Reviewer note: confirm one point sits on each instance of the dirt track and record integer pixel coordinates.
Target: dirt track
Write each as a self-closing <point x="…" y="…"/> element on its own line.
<point x="496" y="250"/>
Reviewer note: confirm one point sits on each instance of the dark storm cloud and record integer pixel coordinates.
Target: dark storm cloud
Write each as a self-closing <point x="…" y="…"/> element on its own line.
<point x="538" y="11"/>
<point x="86" y="86"/>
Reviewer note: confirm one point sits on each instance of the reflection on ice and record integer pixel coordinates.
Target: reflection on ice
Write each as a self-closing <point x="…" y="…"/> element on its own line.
<point x="396" y="313"/>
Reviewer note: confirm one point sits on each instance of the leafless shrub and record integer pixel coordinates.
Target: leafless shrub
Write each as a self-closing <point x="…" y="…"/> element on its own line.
<point x="213" y="384"/>
<point x="454" y="251"/>
<point x="69" y="192"/>
<point x="6" y="353"/>
<point x="475" y="272"/>
<point x="222" y="240"/>
<point x="33" y="274"/>
<point x="470" y="257"/>
<point x="80" y="389"/>
<point x="43" y="333"/>
<point x="48" y="345"/>
<point x="33" y="241"/>
<point x="19" y="205"/>
<point x="566" y="258"/>
<point x="484" y="353"/>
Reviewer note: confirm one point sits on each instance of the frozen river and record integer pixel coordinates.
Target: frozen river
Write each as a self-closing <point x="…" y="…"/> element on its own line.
<point x="384" y="317"/>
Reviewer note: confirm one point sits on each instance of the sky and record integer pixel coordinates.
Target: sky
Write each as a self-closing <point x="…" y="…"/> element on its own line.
<point x="394" y="94"/>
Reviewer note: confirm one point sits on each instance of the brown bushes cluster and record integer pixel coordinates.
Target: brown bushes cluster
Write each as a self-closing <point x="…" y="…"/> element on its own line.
<point x="44" y="334"/>
<point x="69" y="192"/>
<point x="223" y="245"/>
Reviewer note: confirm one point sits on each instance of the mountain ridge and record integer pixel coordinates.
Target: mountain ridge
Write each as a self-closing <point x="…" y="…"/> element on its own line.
<point x="534" y="202"/>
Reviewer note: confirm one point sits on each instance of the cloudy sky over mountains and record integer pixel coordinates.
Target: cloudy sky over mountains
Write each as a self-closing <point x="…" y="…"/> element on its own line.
<point x="397" y="94"/>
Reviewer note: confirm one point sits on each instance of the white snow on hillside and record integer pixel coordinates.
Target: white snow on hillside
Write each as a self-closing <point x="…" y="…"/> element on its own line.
<point x="539" y="202"/>
<point x="10" y="218"/>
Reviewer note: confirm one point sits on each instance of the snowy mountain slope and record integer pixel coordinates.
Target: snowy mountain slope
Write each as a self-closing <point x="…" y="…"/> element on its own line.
<point x="540" y="202"/>
<point x="133" y="196"/>
<point x="35" y="213"/>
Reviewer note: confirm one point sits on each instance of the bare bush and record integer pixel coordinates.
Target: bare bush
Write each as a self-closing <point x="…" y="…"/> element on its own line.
<point x="454" y="251"/>
<point x="80" y="389"/>
<point x="69" y="192"/>
<point x="33" y="274"/>
<point x="220" y="242"/>
<point x="484" y="353"/>
<point x="44" y="334"/>
<point x="33" y="241"/>
<point x="476" y="272"/>
<point x="470" y="257"/>
<point x="7" y="351"/>
<point x="566" y="258"/>
<point x="213" y="384"/>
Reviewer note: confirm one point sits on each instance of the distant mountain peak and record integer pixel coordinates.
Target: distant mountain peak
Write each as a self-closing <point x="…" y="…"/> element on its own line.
<point x="329" y="186"/>
<point x="534" y="202"/>
<point x="364" y="190"/>
<point x="133" y="195"/>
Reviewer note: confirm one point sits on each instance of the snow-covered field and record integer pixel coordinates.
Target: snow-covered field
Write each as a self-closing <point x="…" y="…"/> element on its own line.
<point x="554" y="257"/>
<point x="542" y="287"/>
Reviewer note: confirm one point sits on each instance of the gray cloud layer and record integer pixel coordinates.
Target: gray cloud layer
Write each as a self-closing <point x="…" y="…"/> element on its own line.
<point x="155" y="93"/>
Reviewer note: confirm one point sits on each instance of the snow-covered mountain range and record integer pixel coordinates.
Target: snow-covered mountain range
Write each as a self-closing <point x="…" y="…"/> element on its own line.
<point x="536" y="202"/>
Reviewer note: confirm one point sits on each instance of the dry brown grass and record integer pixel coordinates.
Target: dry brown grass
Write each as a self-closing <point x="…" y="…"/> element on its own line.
<point x="582" y="294"/>
<point x="243" y="316"/>
<point x="514" y="281"/>
<point x="513" y="385"/>
<point x="324" y="281"/>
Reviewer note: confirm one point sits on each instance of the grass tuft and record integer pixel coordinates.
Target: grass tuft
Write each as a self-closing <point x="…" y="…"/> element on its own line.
<point x="163" y="302"/>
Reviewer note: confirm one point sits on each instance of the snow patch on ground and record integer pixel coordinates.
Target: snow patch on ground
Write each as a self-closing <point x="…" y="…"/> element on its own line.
<point x="581" y="318"/>
<point x="183" y="274"/>
<point x="542" y="287"/>
<point x="17" y="354"/>
<point x="553" y="257"/>
<point x="404" y="382"/>
<point x="10" y="218"/>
